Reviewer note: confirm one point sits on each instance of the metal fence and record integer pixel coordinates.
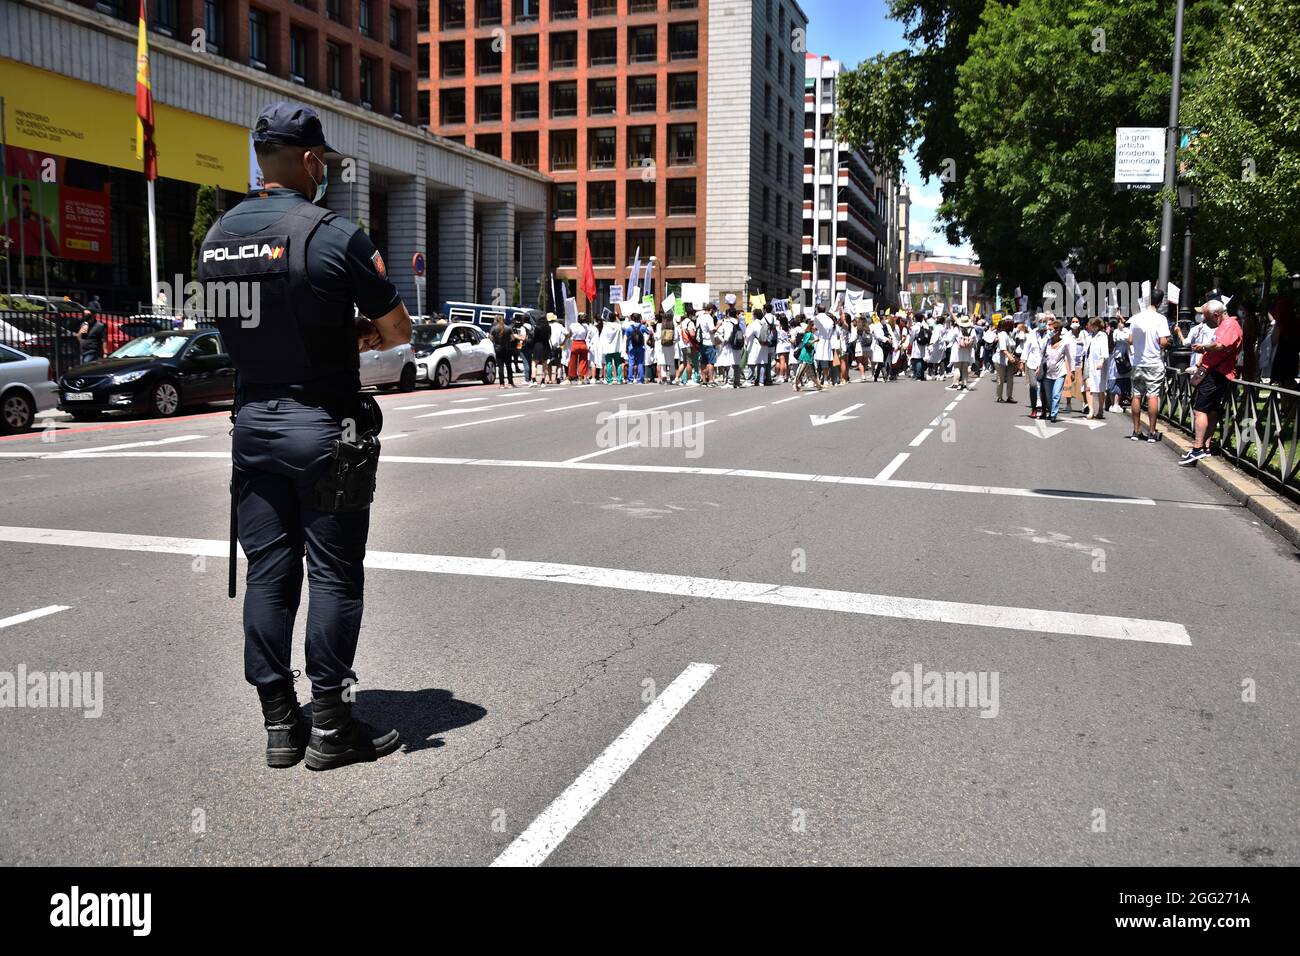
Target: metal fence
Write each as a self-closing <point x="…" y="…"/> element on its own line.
<point x="53" y="335"/>
<point x="1258" y="432"/>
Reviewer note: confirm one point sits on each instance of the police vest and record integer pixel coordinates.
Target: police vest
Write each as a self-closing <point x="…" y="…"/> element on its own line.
<point x="294" y="336"/>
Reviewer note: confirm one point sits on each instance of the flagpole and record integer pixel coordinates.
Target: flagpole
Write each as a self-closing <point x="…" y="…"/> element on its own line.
<point x="153" y="243"/>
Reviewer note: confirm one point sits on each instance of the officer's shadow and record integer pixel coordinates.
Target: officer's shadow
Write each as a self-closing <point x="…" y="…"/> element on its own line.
<point x="420" y="716"/>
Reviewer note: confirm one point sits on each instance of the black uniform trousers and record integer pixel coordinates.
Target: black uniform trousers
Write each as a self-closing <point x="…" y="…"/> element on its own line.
<point x="281" y="448"/>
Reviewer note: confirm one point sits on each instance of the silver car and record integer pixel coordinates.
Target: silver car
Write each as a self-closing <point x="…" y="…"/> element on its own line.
<point x="26" y="387"/>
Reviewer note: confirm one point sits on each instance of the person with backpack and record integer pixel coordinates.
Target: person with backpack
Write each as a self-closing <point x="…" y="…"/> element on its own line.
<point x="666" y="349"/>
<point x="707" y="322"/>
<point x="731" y="343"/>
<point x="637" y="335"/>
<point x="920" y="347"/>
<point x="688" y="333"/>
<point x="611" y="343"/>
<point x="963" y="352"/>
<point x="763" y="347"/>
<point x="539" y="347"/>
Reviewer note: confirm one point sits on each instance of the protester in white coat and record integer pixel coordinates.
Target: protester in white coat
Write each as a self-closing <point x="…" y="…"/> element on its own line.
<point x="1098" y="358"/>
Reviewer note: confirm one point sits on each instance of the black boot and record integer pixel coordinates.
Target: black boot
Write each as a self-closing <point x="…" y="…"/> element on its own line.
<point x="287" y="728"/>
<point x="338" y="740"/>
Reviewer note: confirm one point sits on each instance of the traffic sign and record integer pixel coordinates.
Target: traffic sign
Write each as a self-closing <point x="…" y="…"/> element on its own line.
<point x="417" y="263"/>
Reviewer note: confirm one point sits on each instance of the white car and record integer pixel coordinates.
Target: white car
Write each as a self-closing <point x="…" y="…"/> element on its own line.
<point x="454" y="352"/>
<point x="26" y="387"/>
<point x="391" y="368"/>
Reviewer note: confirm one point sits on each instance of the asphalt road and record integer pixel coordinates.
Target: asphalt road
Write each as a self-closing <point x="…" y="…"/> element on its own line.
<point x="678" y="652"/>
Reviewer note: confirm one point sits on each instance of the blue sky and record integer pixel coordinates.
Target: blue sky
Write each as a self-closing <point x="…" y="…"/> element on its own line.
<point x="850" y="31"/>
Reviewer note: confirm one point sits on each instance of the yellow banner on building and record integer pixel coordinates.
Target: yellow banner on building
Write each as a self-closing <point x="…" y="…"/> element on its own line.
<point x="56" y="114"/>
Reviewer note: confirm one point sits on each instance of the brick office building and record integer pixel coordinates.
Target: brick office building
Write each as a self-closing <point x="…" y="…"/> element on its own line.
<point x="668" y="125"/>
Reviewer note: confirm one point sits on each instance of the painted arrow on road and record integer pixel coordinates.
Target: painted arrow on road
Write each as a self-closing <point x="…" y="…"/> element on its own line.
<point x="841" y="416"/>
<point x="1091" y="425"/>
<point x="1040" y="430"/>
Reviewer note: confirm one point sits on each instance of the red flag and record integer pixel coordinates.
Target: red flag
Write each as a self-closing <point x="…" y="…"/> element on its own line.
<point x="588" y="283"/>
<point x="144" y="144"/>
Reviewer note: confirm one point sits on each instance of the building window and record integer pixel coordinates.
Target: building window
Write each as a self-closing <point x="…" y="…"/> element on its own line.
<point x="601" y="144"/>
<point x="640" y="146"/>
<point x="767" y="153"/>
<point x="767" y="53"/>
<point x="564" y="249"/>
<point x="523" y="149"/>
<point x="164" y="16"/>
<point x="681" y="144"/>
<point x="602" y="8"/>
<point x="524" y="11"/>
<point x="683" y="91"/>
<point x="451" y="14"/>
<point x="487" y="56"/>
<point x="564" y="98"/>
<point x="681" y="247"/>
<point x="297" y="56"/>
<point x="489" y="143"/>
<point x="257" y="38"/>
<point x="367" y="78"/>
<point x="643" y="239"/>
<point x="487" y="104"/>
<point x="422" y="61"/>
<point x="397" y="93"/>
<point x="823" y="233"/>
<point x="681" y="197"/>
<point x="564" y="200"/>
<point x="395" y="29"/>
<point x="601" y="199"/>
<point x="642" y="6"/>
<point x="564" y="51"/>
<point x="564" y="9"/>
<point x="524" y="54"/>
<point x="683" y="41"/>
<point x="826" y="159"/>
<point x="643" y="44"/>
<point x="214" y="25"/>
<point x="602" y="47"/>
<point x="564" y="150"/>
<point x="525" y="100"/>
<point x="334" y="10"/>
<point x="642" y="94"/>
<point x="641" y="197"/>
<point x="451" y="107"/>
<point x="487" y="12"/>
<point x="451" y="58"/>
<point x="602" y="246"/>
<point x="334" y="69"/>
<point x="683" y="4"/>
<point x="363" y="18"/>
<point x="422" y="106"/>
<point x="602" y="97"/>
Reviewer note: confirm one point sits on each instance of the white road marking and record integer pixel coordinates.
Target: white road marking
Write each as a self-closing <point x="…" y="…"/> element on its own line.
<point x="603" y="451"/>
<point x="407" y="408"/>
<point x="950" y="406"/>
<point x="938" y="420"/>
<point x="1039" y="430"/>
<point x="657" y="408"/>
<point x="456" y="401"/>
<point x="565" y="408"/>
<point x="32" y="615"/>
<point x="925" y="433"/>
<point x="90" y="449"/>
<point x="841" y="416"/>
<point x="893" y="466"/>
<point x="877" y="482"/>
<point x="687" y="428"/>
<point x="746" y="411"/>
<point x="395" y="437"/>
<point x="784" y="400"/>
<point x="482" y="421"/>
<point x="478" y="408"/>
<point x="1091" y="425"/>
<point x="1033" y="620"/>
<point x="544" y="834"/>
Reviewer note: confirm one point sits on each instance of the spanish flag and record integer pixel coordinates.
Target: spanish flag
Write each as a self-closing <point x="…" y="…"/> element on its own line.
<point x="144" y="144"/>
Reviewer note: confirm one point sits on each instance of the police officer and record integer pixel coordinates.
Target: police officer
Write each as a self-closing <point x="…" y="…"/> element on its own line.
<point x="302" y="434"/>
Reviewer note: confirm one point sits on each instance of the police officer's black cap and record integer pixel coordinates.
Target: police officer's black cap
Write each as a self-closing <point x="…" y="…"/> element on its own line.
<point x="290" y="124"/>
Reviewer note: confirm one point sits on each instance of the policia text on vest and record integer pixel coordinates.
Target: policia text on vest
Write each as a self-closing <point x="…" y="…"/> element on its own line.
<point x="305" y="443"/>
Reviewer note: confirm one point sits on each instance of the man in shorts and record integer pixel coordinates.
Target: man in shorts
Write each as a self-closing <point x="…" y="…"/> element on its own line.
<point x="1148" y="337"/>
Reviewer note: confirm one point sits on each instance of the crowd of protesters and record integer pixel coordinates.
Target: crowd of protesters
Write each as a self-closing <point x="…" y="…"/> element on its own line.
<point x="1090" y="366"/>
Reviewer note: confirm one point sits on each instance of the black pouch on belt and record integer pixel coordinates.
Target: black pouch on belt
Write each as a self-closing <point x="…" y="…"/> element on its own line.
<point x="348" y="483"/>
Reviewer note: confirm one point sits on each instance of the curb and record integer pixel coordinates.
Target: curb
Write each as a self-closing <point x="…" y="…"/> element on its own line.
<point x="1273" y="509"/>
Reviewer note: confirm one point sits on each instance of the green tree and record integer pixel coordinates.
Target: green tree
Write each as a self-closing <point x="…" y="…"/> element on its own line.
<point x="1246" y="159"/>
<point x="205" y="214"/>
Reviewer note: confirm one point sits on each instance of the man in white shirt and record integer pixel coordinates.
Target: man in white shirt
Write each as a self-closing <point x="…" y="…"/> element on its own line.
<point x="707" y="323"/>
<point x="1004" y="361"/>
<point x="1148" y="337"/>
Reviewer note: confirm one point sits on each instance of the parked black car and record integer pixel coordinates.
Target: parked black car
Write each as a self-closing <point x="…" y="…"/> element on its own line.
<point x="155" y="374"/>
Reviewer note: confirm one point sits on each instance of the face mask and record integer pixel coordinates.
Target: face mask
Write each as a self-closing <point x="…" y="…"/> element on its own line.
<point x="1042" y="327"/>
<point x="324" y="180"/>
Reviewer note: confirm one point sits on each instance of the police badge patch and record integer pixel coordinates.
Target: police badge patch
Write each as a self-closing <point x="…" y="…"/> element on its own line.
<point x="378" y="260"/>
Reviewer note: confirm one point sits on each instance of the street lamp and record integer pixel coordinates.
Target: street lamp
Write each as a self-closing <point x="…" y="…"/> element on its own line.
<point x="1189" y="199"/>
